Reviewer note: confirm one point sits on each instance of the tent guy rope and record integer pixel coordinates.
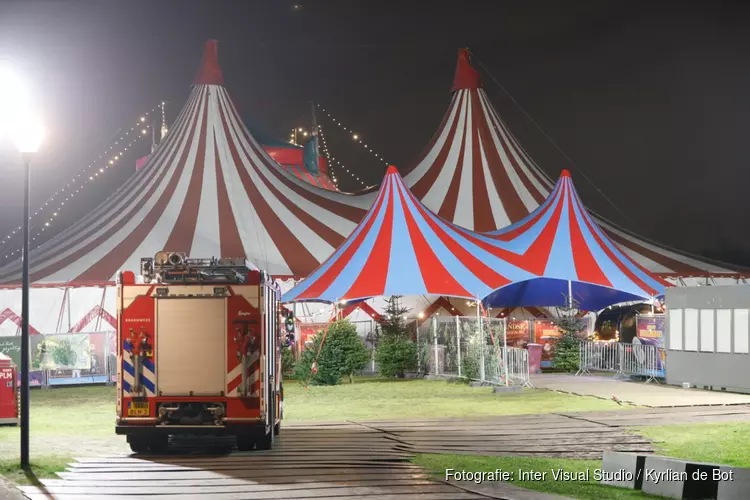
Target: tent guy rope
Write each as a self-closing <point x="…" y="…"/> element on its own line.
<point x="551" y="141"/>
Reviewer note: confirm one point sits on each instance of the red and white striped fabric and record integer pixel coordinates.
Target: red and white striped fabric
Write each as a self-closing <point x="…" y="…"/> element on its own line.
<point x="476" y="174"/>
<point x="209" y="189"/>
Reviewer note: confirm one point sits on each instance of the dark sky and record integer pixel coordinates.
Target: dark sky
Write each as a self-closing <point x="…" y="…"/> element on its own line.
<point x="650" y="99"/>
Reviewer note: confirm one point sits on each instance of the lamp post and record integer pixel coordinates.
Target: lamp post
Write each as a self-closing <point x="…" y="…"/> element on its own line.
<point x="28" y="139"/>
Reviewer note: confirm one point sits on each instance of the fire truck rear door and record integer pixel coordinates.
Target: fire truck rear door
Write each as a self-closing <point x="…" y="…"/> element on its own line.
<point x="191" y="346"/>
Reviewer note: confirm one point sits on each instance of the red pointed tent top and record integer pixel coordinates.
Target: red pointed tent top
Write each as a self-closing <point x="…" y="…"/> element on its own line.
<point x="565" y="173"/>
<point x="209" y="72"/>
<point x="391" y="170"/>
<point x="466" y="76"/>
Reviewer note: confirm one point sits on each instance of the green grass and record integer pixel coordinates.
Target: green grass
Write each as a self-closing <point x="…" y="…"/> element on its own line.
<point x="70" y="411"/>
<point x="391" y="399"/>
<point x="720" y="443"/>
<point x="42" y="468"/>
<point x="582" y="490"/>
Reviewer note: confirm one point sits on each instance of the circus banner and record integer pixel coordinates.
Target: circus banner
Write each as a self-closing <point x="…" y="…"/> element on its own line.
<point x="650" y="329"/>
<point x="546" y="333"/>
<point x="518" y="333"/>
<point x="11" y="347"/>
<point x="62" y="352"/>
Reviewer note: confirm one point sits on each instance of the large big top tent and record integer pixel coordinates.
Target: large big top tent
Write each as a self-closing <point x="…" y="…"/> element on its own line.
<point x="209" y="189"/>
<point x="476" y="174"/>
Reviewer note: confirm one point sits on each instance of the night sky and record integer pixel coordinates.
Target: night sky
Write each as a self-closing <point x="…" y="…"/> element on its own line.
<point x="650" y="99"/>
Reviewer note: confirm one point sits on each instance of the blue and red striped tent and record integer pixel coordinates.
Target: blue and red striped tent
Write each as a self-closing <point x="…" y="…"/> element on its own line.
<point x="401" y="248"/>
<point x="561" y="244"/>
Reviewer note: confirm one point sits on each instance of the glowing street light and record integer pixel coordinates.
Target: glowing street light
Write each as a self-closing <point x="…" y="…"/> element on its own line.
<point x="355" y="137"/>
<point x="14" y="99"/>
<point x="28" y="137"/>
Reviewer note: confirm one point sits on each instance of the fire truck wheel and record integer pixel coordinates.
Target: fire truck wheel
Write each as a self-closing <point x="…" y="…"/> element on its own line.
<point x="264" y="442"/>
<point x="138" y="444"/>
<point x="159" y="444"/>
<point x="245" y="442"/>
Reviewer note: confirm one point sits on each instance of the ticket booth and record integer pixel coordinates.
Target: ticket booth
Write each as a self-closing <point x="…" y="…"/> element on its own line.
<point x="8" y="391"/>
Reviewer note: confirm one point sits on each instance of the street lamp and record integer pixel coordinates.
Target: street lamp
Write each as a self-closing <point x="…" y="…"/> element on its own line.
<point x="28" y="138"/>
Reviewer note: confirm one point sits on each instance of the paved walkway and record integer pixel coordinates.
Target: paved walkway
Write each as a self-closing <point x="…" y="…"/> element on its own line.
<point x="366" y="460"/>
<point x="637" y="393"/>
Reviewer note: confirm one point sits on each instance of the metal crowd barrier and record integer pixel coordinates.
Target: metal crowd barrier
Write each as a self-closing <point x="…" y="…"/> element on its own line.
<point x="471" y="348"/>
<point x="625" y="360"/>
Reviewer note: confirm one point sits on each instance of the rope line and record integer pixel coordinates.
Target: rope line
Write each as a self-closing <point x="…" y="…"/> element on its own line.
<point x="552" y="141"/>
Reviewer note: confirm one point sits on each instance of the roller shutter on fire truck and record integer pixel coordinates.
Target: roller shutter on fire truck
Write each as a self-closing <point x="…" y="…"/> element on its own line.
<point x="191" y="346"/>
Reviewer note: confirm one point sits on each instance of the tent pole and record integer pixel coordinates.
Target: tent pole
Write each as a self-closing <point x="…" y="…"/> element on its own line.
<point x="482" y="344"/>
<point x="570" y="294"/>
<point x="435" y="345"/>
<point x="458" y="345"/>
<point x="505" y="350"/>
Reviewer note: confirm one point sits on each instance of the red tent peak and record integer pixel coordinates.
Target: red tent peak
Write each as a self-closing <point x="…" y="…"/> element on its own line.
<point x="466" y="76"/>
<point x="210" y="71"/>
<point x="565" y="173"/>
<point x="391" y="170"/>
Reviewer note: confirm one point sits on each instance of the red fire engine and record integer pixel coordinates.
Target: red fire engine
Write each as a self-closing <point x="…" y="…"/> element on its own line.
<point x="198" y="352"/>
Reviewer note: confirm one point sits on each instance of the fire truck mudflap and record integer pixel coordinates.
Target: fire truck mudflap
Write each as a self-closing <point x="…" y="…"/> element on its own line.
<point x="198" y="353"/>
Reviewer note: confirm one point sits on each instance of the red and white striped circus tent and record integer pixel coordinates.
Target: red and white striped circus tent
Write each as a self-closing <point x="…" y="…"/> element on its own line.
<point x="476" y="174"/>
<point x="209" y="189"/>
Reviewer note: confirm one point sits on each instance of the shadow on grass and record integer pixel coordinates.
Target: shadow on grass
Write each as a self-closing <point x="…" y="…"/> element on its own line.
<point x="33" y="479"/>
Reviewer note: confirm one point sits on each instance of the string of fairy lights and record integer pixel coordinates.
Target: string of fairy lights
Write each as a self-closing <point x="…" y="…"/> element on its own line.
<point x="353" y="134"/>
<point x="294" y="138"/>
<point x="109" y="158"/>
<point x="327" y="154"/>
<point x="332" y="159"/>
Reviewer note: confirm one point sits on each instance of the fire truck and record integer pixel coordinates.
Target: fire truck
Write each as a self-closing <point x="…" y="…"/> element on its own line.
<point x="198" y="352"/>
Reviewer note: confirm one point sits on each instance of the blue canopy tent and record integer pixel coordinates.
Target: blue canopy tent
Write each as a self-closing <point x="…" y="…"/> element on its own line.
<point x="571" y="256"/>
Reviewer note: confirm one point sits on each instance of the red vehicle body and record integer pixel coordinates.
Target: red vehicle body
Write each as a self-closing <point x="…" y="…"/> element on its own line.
<point x="198" y="352"/>
<point x="8" y="392"/>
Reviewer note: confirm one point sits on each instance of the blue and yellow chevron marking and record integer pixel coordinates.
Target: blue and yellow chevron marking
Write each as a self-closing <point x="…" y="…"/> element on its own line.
<point x="148" y="375"/>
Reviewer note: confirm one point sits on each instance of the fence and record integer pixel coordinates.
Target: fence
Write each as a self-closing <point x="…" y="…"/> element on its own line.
<point x="472" y="348"/>
<point x="625" y="360"/>
<point x="67" y="359"/>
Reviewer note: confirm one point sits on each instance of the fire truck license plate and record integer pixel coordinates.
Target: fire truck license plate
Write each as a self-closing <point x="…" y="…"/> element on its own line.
<point x="138" y="409"/>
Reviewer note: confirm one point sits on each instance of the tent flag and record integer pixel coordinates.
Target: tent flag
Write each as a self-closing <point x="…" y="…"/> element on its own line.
<point x="311" y="155"/>
<point x="401" y="248"/>
<point x="561" y="242"/>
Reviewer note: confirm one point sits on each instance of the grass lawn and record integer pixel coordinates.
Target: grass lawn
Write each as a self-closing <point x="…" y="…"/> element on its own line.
<point x="721" y="443"/>
<point x="389" y="399"/>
